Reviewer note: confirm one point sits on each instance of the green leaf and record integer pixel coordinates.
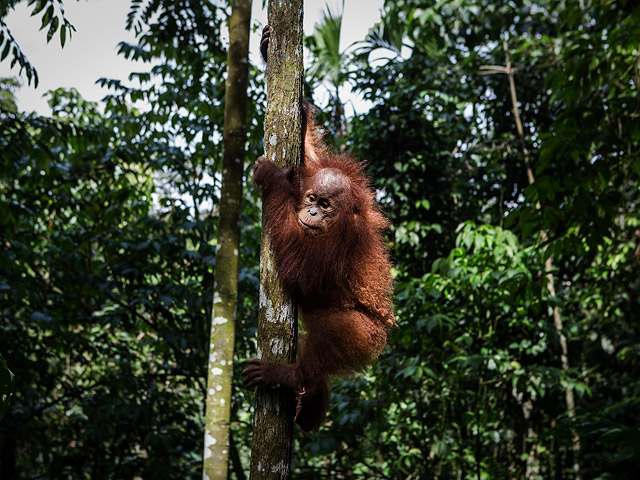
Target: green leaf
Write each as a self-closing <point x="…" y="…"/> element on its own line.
<point x="7" y="386"/>
<point x="46" y="18"/>
<point x="40" y="5"/>
<point x="5" y="51"/>
<point x="53" y="28"/>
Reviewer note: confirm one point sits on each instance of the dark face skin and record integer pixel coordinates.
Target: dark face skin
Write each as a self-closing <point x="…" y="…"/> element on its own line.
<point x="326" y="196"/>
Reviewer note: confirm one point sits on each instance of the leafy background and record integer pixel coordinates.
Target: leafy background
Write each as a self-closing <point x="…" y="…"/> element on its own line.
<point x="107" y="249"/>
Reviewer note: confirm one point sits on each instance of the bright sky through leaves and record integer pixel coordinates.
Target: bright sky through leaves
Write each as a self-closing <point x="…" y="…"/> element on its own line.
<point x="92" y="51"/>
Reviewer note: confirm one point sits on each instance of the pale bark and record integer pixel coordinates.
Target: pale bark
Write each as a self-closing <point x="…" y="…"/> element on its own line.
<point x="225" y="290"/>
<point x="277" y="323"/>
<point x="557" y="317"/>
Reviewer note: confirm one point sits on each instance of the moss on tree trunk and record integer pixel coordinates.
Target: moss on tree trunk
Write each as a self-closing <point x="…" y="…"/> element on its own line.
<point x="277" y="323"/>
<point x="225" y="290"/>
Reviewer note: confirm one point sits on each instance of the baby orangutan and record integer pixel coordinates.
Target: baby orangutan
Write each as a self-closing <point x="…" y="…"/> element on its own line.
<point x="325" y="231"/>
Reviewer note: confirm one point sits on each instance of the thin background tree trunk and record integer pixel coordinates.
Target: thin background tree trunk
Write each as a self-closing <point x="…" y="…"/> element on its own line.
<point x="557" y="317"/>
<point x="225" y="289"/>
<point x="277" y="322"/>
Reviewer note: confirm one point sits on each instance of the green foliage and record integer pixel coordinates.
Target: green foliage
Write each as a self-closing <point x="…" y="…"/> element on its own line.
<point x="472" y="384"/>
<point x="107" y="223"/>
<point x="107" y="226"/>
<point x="7" y="385"/>
<point x="53" y="20"/>
<point x="330" y="67"/>
<point x="95" y="317"/>
<point x="8" y="86"/>
<point x="329" y="62"/>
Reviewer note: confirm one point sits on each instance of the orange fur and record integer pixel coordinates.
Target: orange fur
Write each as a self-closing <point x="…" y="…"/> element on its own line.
<point x="341" y="280"/>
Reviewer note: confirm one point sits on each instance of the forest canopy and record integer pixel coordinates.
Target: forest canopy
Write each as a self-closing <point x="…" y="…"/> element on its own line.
<point x="503" y="141"/>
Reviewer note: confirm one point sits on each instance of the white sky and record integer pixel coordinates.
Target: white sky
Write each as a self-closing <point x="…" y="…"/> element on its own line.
<point x="91" y="53"/>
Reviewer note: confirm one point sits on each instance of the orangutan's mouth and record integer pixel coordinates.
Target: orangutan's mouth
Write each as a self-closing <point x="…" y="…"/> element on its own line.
<point x="311" y="230"/>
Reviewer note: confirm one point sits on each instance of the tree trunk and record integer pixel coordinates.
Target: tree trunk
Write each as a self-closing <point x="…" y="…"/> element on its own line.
<point x="557" y="318"/>
<point x="277" y="320"/>
<point x="225" y="289"/>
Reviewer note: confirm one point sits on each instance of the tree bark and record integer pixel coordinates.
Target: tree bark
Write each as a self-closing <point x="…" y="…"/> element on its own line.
<point x="277" y="321"/>
<point x="557" y="317"/>
<point x="225" y="289"/>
